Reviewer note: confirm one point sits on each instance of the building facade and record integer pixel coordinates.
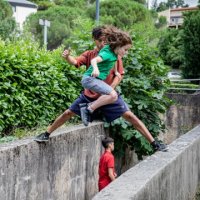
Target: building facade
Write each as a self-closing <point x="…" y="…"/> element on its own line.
<point x="21" y="10"/>
<point x="175" y="16"/>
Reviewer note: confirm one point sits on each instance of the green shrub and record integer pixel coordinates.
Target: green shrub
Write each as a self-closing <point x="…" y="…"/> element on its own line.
<point x="183" y="87"/>
<point x="44" y="5"/>
<point x="35" y="84"/>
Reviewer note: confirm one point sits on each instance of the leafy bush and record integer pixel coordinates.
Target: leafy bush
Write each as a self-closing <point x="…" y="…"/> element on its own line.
<point x="162" y="21"/>
<point x="35" y="84"/>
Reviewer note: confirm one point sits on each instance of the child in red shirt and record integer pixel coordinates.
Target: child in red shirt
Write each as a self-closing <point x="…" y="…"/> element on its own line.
<point x="107" y="164"/>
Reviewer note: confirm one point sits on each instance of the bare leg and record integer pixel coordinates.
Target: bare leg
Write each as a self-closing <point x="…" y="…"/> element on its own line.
<point x="138" y="125"/>
<point x="60" y="121"/>
<point x="104" y="100"/>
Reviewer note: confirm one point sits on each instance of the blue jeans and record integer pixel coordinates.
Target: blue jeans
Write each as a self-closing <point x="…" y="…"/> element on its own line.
<point x="96" y="85"/>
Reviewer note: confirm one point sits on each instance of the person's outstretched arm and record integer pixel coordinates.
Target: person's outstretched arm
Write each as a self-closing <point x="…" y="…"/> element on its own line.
<point x="70" y="59"/>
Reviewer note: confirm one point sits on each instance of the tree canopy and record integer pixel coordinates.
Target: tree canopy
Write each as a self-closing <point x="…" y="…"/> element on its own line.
<point x="191" y="43"/>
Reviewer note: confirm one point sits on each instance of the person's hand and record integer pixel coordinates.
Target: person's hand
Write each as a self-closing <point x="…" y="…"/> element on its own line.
<point x="118" y="75"/>
<point x="95" y="72"/>
<point x="115" y="175"/>
<point x="66" y="53"/>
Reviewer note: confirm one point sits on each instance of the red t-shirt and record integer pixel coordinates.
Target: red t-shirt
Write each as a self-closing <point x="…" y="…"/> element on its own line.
<point x="85" y="59"/>
<point x="106" y="161"/>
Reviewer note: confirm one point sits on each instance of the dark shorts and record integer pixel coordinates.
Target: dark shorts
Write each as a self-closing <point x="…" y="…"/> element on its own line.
<point x="108" y="112"/>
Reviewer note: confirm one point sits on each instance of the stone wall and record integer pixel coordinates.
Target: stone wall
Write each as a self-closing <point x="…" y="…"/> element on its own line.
<point x="172" y="175"/>
<point x="65" y="168"/>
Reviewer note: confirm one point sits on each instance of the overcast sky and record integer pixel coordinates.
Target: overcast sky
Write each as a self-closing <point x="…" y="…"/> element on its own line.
<point x="191" y="2"/>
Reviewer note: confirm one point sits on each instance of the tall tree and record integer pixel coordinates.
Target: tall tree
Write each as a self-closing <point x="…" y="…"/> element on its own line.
<point x="162" y="6"/>
<point x="179" y="3"/>
<point x="121" y="13"/>
<point x="171" y="4"/>
<point x="191" y="42"/>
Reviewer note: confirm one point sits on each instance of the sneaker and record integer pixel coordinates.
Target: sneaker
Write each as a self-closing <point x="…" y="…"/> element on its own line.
<point x="85" y="114"/>
<point x="158" y="146"/>
<point x="43" y="137"/>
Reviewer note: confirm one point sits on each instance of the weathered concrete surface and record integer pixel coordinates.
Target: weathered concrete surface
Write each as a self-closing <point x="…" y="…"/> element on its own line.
<point x="65" y="168"/>
<point x="182" y="116"/>
<point x="172" y="175"/>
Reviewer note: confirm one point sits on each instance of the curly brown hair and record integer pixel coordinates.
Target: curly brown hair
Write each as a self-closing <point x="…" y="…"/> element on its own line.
<point x="116" y="37"/>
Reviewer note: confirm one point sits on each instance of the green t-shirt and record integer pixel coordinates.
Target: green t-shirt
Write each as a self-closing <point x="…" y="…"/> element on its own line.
<point x="109" y="58"/>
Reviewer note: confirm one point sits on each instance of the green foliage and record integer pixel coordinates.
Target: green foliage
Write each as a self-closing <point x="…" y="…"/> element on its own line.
<point x="75" y="3"/>
<point x="162" y="21"/>
<point x="81" y="37"/>
<point x="191" y="43"/>
<point x="44" y="5"/>
<point x="171" y="48"/>
<point x="141" y="1"/>
<point x="162" y="6"/>
<point x="147" y="32"/>
<point x="143" y="88"/>
<point x="175" y="3"/>
<point x="35" y="85"/>
<point x="7" y="23"/>
<point x="121" y="13"/>
<point x="62" y="22"/>
<point x="6" y="10"/>
<point x="185" y="85"/>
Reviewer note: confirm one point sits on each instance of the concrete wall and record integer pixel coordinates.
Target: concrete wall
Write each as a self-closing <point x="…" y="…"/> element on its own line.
<point x="182" y="116"/>
<point x="65" y="168"/>
<point x="172" y="175"/>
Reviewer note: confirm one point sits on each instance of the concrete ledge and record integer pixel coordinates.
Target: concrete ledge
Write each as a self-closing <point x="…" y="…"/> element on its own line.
<point x="66" y="167"/>
<point x="173" y="175"/>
